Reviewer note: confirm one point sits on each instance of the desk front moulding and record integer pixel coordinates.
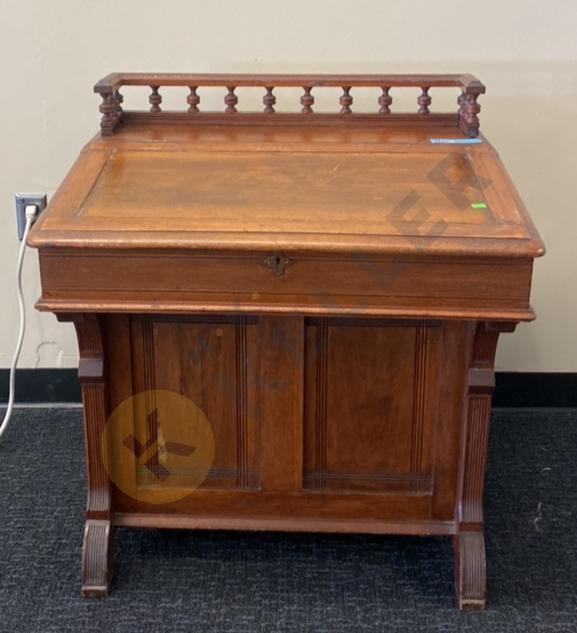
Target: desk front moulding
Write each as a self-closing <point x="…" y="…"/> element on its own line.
<point x="287" y="320"/>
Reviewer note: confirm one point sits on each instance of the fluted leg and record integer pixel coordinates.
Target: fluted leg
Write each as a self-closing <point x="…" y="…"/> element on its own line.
<point x="97" y="558"/>
<point x="470" y="570"/>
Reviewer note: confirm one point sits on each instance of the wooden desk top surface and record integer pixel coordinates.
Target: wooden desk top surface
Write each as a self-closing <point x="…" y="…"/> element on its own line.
<point x="289" y="183"/>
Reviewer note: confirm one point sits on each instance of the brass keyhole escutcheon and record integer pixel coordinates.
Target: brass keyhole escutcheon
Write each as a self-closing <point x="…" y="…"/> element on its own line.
<point x="277" y="263"/>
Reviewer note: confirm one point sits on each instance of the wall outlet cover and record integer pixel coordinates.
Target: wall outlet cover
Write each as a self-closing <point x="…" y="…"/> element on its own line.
<point x="22" y="201"/>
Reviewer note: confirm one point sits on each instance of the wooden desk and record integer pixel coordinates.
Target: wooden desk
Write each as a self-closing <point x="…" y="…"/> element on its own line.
<point x="288" y="321"/>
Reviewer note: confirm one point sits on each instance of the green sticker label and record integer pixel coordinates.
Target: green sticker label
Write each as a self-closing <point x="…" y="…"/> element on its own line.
<point x="478" y="205"/>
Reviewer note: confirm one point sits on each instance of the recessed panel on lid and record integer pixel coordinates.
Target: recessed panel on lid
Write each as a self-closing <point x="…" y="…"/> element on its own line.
<point x="307" y="192"/>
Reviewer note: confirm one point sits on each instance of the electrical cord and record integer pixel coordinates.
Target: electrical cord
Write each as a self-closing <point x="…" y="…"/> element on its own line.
<point x="30" y="212"/>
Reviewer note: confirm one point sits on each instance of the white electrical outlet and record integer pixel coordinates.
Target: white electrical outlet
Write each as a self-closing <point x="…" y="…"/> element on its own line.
<point x="22" y="201"/>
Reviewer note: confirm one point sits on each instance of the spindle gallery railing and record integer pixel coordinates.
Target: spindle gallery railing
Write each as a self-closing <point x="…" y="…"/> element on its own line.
<point x="466" y="117"/>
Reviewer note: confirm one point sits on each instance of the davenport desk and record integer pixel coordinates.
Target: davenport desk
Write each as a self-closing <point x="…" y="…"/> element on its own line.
<point x="287" y="320"/>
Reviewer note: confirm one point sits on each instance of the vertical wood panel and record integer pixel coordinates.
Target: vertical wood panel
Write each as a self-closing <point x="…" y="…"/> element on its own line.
<point x="322" y="344"/>
<point x="280" y="408"/>
<point x="241" y="358"/>
<point x="371" y="393"/>
<point x="121" y="371"/>
<point x="450" y="371"/>
<point x="419" y="402"/>
<point x="152" y="428"/>
<point x="212" y="361"/>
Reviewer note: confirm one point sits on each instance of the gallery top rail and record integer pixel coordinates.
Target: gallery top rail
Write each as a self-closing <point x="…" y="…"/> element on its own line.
<point x="467" y="115"/>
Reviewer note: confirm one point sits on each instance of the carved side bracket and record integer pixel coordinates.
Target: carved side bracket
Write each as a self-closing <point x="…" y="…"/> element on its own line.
<point x="469" y="543"/>
<point x="98" y="532"/>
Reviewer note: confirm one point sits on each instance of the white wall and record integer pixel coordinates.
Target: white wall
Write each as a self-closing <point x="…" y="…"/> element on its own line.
<point x="525" y="52"/>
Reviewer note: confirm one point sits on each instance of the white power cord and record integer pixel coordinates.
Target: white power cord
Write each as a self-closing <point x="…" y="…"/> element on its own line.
<point x="30" y="212"/>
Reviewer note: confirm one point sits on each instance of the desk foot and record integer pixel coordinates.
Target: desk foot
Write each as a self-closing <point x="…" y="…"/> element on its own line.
<point x="97" y="558"/>
<point x="470" y="571"/>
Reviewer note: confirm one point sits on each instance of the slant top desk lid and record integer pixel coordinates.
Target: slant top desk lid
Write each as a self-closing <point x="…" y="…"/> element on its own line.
<point x="349" y="181"/>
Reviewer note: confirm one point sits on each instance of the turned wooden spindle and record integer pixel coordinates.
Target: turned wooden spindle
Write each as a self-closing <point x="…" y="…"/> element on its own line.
<point x="193" y="99"/>
<point x="424" y="100"/>
<point x="230" y="100"/>
<point x="385" y="100"/>
<point x="307" y="100"/>
<point x="155" y="99"/>
<point x="346" y="100"/>
<point x="108" y="111"/>
<point x="118" y="99"/>
<point x="461" y="102"/>
<point x="468" y="112"/>
<point x="269" y="100"/>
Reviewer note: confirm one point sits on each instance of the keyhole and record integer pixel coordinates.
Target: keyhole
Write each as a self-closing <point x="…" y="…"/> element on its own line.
<point x="277" y="263"/>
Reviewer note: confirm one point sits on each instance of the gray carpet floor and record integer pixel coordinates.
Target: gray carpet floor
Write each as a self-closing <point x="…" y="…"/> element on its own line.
<point x="233" y="582"/>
